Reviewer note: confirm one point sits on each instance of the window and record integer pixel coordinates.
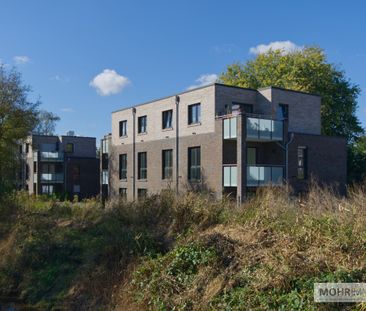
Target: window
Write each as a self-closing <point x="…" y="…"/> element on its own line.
<point x="26" y="171"/>
<point x="105" y="177"/>
<point x="76" y="189"/>
<point x="230" y="128"/>
<point x="123" y="128"/>
<point x="26" y="148"/>
<point x="167" y="119"/>
<point x="142" y="165"/>
<point x="35" y="167"/>
<point x="69" y="147"/>
<point x="230" y="176"/>
<point x="47" y="189"/>
<point x="75" y="173"/>
<point x="248" y="108"/>
<point x="105" y="146"/>
<point x="123" y="166"/>
<point x="141" y="193"/>
<point x="282" y="112"/>
<point x="302" y="162"/>
<point x="194" y="163"/>
<point x="142" y="124"/>
<point x="194" y="114"/>
<point x="251" y="156"/>
<point x="167" y="164"/>
<point x="123" y="193"/>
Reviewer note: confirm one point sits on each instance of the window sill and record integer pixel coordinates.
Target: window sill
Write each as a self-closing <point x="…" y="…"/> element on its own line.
<point x="194" y="124"/>
<point x="141" y="134"/>
<point x="167" y="129"/>
<point x="123" y="180"/>
<point x="142" y="180"/>
<point x="124" y="136"/>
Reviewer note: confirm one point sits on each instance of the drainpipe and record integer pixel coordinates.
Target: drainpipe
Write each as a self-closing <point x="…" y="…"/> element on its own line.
<point x="177" y="100"/>
<point x="134" y="152"/>
<point x="285" y="147"/>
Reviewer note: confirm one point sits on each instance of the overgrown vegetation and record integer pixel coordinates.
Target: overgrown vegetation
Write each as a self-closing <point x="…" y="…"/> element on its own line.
<point x="188" y="254"/>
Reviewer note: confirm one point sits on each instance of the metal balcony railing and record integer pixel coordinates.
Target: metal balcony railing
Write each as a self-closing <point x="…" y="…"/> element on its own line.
<point x="264" y="175"/>
<point x="259" y="129"/>
<point x="52" y="156"/>
<point x="52" y="178"/>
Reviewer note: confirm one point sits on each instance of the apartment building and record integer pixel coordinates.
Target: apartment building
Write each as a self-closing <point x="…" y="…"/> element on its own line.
<point x="222" y="139"/>
<point x="61" y="165"/>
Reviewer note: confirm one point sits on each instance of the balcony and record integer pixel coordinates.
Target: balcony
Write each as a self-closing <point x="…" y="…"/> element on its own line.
<point x="264" y="175"/>
<point x="52" y="178"/>
<point x="259" y="129"/>
<point x="52" y="156"/>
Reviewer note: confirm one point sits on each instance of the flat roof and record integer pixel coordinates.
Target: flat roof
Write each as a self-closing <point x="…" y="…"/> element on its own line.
<point x="210" y="85"/>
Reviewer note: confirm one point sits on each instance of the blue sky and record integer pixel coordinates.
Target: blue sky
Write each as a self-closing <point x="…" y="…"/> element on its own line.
<point x="85" y="59"/>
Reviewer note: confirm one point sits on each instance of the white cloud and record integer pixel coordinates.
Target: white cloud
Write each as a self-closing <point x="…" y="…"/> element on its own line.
<point x="67" y="109"/>
<point x="204" y="80"/>
<point x="20" y="60"/>
<point x="109" y="82"/>
<point x="60" y="78"/>
<point x="285" y="46"/>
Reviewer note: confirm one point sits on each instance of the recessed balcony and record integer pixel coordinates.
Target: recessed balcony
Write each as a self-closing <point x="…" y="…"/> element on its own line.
<point x="264" y="175"/>
<point x="52" y="156"/>
<point x="259" y="129"/>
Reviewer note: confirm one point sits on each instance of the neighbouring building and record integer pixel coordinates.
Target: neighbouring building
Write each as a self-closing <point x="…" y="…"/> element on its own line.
<point x="60" y="165"/>
<point x="222" y="139"/>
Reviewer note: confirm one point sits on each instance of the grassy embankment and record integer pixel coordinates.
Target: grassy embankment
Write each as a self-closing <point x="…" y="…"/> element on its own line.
<point x="188" y="254"/>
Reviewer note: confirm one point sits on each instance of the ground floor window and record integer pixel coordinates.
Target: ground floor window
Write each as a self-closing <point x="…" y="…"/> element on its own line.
<point x="141" y="193"/>
<point x="123" y="193"/>
<point x="302" y="159"/>
<point x="48" y="189"/>
<point x="194" y="163"/>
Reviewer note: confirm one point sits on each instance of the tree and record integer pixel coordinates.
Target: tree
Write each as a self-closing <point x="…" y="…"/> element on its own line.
<point x="18" y="117"/>
<point x="46" y="123"/>
<point x="357" y="160"/>
<point x="305" y="70"/>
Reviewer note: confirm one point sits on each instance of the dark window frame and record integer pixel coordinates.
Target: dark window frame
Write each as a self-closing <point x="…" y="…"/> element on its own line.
<point x="123" y="166"/>
<point x="123" y="128"/>
<point x="194" y="163"/>
<point x="302" y="162"/>
<point x="165" y="119"/>
<point x="142" y="124"/>
<point x="142" y="165"/>
<point x="284" y="111"/>
<point x="194" y="114"/>
<point x="167" y="164"/>
<point x="141" y="193"/>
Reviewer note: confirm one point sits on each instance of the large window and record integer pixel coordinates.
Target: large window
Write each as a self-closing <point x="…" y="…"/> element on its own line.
<point x="123" y="128"/>
<point x="167" y="119"/>
<point x="123" y="193"/>
<point x="167" y="164"/>
<point x="194" y="163"/>
<point x="142" y="165"/>
<point x="70" y="148"/>
<point x="194" y="114"/>
<point x="142" y="124"/>
<point x="302" y="160"/>
<point x="123" y="166"/>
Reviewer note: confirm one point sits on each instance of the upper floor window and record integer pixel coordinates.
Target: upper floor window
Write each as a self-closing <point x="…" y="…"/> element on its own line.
<point x="142" y="124"/>
<point x="123" y="166"/>
<point x="194" y="163"/>
<point x="105" y="146"/>
<point x="69" y="148"/>
<point x="142" y="165"/>
<point x="123" y="128"/>
<point x="167" y="119"/>
<point x="167" y="163"/>
<point x="302" y="159"/>
<point x="282" y="112"/>
<point x="194" y="113"/>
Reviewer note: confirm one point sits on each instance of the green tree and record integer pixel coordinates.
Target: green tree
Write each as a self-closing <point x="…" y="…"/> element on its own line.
<point x="357" y="160"/>
<point x="46" y="123"/>
<point x="18" y="117"/>
<point x="305" y="70"/>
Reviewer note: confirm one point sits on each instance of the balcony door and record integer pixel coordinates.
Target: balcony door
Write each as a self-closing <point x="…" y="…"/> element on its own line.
<point x="251" y="156"/>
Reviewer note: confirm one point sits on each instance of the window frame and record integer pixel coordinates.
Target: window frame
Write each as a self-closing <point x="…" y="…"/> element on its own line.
<point x="167" y="170"/>
<point x="122" y="165"/>
<point x="302" y="163"/>
<point x="141" y="171"/>
<point x="194" y="168"/>
<point x="285" y="111"/>
<point x="197" y="109"/>
<point x="141" y="193"/>
<point x="72" y="148"/>
<point x="122" y="192"/>
<point x="123" y="128"/>
<point x="163" y="125"/>
<point x="142" y="126"/>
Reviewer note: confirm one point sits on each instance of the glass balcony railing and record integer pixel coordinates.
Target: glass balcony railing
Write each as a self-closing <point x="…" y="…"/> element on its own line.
<point x="264" y="175"/>
<point x="264" y="129"/>
<point x="52" y="178"/>
<point x="230" y="128"/>
<point x="230" y="176"/>
<point x="52" y="156"/>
